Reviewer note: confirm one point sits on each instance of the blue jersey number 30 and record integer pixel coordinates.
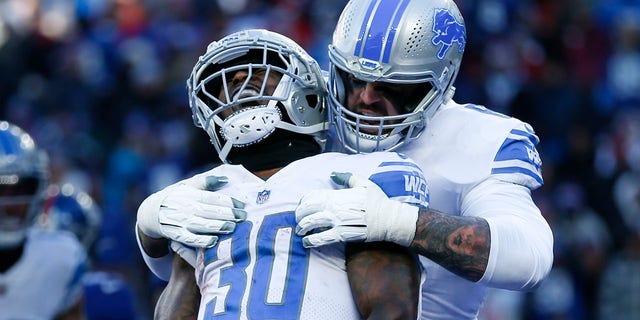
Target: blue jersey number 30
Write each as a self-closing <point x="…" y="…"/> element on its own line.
<point x="278" y="272"/>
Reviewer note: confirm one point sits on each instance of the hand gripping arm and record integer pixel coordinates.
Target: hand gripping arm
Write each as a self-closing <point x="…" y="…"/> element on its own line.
<point x="363" y="212"/>
<point x="190" y="213"/>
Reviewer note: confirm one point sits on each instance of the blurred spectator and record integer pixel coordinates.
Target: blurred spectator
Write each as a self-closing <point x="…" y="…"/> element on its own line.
<point x="619" y="290"/>
<point x="620" y="286"/>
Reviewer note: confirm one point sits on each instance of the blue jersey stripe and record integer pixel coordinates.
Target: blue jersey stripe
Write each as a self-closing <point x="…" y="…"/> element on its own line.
<point x="520" y="170"/>
<point x="79" y="272"/>
<point x="529" y="135"/>
<point x="514" y="150"/>
<point x="399" y="163"/>
<point x="403" y="184"/>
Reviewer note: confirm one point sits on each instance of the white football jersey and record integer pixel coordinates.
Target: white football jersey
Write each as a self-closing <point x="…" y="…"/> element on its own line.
<point x="262" y="271"/>
<point x="46" y="280"/>
<point x="463" y="149"/>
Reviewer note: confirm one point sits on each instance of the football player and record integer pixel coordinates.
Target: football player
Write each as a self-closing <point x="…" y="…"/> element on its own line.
<point x="261" y="99"/>
<point x="393" y="65"/>
<point x="107" y="295"/>
<point x="40" y="270"/>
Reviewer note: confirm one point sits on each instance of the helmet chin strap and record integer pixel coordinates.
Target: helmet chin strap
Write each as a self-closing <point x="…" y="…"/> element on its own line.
<point x="224" y="153"/>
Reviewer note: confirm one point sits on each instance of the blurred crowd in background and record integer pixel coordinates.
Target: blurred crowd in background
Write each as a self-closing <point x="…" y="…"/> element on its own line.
<point x="100" y="85"/>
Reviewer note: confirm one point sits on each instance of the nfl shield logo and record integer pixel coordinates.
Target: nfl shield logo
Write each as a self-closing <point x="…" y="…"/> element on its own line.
<point x="263" y="196"/>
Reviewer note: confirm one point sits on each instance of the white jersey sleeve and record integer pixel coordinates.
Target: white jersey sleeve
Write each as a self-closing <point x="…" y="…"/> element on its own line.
<point x="521" y="239"/>
<point x="484" y="164"/>
<point x="160" y="267"/>
<point x="47" y="280"/>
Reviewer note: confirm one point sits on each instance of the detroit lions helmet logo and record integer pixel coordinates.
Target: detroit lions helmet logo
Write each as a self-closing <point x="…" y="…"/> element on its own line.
<point x="447" y="31"/>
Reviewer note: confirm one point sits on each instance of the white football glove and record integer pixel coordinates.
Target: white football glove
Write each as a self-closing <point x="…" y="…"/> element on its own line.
<point x="190" y="212"/>
<point x="362" y="212"/>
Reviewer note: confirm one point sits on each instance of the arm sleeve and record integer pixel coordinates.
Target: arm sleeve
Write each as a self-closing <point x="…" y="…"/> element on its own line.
<point x="521" y="253"/>
<point x="161" y="267"/>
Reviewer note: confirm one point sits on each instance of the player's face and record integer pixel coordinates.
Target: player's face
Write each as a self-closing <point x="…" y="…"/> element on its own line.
<point x="252" y="88"/>
<point x="15" y="197"/>
<point x="380" y="99"/>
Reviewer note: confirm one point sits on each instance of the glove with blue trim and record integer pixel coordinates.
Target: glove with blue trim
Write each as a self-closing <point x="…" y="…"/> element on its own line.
<point x="362" y="212"/>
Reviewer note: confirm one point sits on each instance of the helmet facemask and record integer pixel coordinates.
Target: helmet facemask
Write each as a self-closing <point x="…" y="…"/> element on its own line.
<point x="242" y="91"/>
<point x="366" y="128"/>
<point x="398" y="44"/>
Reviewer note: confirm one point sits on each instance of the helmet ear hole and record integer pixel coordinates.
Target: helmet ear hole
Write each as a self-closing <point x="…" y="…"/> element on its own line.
<point x="312" y="100"/>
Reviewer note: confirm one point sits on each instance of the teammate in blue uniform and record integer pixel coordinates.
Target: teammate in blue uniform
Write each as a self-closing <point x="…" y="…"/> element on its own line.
<point x="40" y="270"/>
<point x="107" y="295"/>
<point x="393" y="65"/>
<point x="261" y="99"/>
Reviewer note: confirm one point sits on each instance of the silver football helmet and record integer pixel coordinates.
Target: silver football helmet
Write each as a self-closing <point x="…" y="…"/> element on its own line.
<point x="23" y="180"/>
<point x="397" y="42"/>
<point x="282" y="87"/>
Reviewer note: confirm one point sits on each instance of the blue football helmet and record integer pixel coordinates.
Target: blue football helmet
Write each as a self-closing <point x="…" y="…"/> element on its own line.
<point x="23" y="181"/>
<point x="67" y="208"/>
<point x="398" y="42"/>
<point x="240" y="112"/>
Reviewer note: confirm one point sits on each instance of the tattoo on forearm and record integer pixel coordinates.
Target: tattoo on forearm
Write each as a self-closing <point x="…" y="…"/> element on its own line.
<point x="459" y="244"/>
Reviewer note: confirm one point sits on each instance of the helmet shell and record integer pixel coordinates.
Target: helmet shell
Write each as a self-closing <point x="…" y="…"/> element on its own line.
<point x="298" y="103"/>
<point x="400" y="42"/>
<point x="21" y="163"/>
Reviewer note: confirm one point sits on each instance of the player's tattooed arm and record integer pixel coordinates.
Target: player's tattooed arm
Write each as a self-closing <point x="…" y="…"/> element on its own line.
<point x="384" y="279"/>
<point x="180" y="299"/>
<point x="459" y="244"/>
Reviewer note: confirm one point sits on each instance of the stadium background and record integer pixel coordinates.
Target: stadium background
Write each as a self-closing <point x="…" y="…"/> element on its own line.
<point x="100" y="84"/>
